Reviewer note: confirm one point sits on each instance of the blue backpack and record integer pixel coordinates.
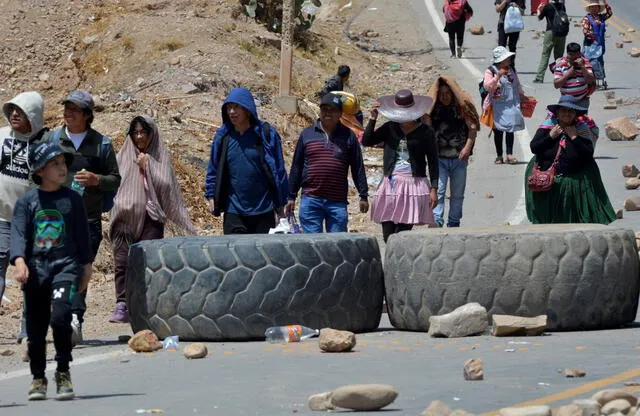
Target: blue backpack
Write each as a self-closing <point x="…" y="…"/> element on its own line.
<point x="108" y="196"/>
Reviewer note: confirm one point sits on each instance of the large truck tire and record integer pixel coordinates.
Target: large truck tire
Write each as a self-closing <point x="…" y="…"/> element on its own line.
<point x="234" y="287"/>
<point x="581" y="276"/>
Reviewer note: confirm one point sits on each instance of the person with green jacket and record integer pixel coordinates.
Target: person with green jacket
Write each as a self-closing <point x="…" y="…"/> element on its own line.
<point x="94" y="173"/>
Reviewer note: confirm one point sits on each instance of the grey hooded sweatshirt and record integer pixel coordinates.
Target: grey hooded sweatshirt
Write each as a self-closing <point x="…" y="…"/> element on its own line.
<point x="14" y="151"/>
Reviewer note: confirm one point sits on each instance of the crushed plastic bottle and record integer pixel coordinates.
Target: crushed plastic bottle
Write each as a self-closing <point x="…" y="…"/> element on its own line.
<point x="289" y="333"/>
<point x="170" y="343"/>
<point x="77" y="186"/>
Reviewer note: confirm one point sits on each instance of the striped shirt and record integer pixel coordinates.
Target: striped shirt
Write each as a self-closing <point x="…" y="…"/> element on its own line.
<point x="321" y="164"/>
<point x="575" y="86"/>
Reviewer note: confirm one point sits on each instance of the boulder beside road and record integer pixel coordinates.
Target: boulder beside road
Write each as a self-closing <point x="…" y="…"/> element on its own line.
<point x="145" y="341"/>
<point x="333" y="340"/>
<point x="469" y="319"/>
<point x="620" y="129"/>
<point x="509" y="325"/>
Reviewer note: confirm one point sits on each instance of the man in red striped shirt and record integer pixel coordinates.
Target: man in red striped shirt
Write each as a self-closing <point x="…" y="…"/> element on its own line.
<point x="573" y="75"/>
<point x="321" y="162"/>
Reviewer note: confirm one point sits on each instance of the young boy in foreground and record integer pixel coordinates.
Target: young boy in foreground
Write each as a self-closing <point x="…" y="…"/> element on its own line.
<point x="51" y="252"/>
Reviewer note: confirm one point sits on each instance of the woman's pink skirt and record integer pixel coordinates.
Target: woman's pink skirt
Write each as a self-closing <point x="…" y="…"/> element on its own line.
<point x="402" y="200"/>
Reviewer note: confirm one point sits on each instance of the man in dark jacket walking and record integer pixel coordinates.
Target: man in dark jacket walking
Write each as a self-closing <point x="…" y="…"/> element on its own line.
<point x="336" y="82"/>
<point x="246" y="178"/>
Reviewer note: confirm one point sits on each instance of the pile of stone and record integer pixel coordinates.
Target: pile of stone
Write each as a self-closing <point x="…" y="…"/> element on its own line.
<point x="631" y="172"/>
<point x="473" y="319"/>
<point x="603" y="403"/>
<point x="147" y="341"/>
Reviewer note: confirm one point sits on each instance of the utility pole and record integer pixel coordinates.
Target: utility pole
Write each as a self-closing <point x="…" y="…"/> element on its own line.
<point x="285" y="101"/>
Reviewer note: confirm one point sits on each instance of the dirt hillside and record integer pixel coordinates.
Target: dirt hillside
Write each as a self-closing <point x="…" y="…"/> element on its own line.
<point x="176" y="61"/>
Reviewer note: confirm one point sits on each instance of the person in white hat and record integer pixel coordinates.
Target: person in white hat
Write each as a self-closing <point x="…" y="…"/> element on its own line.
<point x="504" y="97"/>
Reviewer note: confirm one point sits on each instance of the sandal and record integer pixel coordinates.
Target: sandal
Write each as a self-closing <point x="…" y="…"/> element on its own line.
<point x="511" y="160"/>
<point x="499" y="160"/>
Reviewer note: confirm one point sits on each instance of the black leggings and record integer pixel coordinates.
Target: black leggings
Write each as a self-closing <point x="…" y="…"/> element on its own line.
<point x="48" y="306"/>
<point x="455" y="29"/>
<point x="389" y="228"/>
<point x="497" y="139"/>
<point x="509" y="40"/>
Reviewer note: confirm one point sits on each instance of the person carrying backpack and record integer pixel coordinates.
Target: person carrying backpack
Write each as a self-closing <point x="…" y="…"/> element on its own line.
<point x="246" y="177"/>
<point x="502" y="100"/>
<point x="555" y="36"/>
<point x="456" y="14"/>
<point x="94" y="174"/>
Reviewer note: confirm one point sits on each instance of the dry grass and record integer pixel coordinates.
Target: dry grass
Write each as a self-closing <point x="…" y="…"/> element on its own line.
<point x="127" y="43"/>
<point x="167" y="45"/>
<point x="96" y="62"/>
<point x="251" y="48"/>
<point x="229" y="27"/>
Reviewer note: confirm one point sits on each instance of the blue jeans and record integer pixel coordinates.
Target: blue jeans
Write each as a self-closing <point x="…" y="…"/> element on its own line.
<point x="314" y="211"/>
<point x="5" y="242"/>
<point x="454" y="171"/>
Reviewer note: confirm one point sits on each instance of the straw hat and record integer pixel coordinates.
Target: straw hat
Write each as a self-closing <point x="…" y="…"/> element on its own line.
<point x="598" y="3"/>
<point x="404" y="106"/>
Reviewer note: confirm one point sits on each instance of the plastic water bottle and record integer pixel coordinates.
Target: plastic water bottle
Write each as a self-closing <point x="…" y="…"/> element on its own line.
<point x="289" y="333"/>
<point x="170" y="343"/>
<point x="77" y="186"/>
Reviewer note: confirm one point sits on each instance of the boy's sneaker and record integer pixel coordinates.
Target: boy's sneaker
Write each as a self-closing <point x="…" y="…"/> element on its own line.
<point x="120" y="314"/>
<point x="76" y="330"/>
<point x="38" y="389"/>
<point x="64" y="388"/>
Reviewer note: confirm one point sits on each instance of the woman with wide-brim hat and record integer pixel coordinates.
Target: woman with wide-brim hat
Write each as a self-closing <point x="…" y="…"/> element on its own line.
<point x="406" y="195"/>
<point x="578" y="194"/>
<point x="594" y="27"/>
<point x="504" y="95"/>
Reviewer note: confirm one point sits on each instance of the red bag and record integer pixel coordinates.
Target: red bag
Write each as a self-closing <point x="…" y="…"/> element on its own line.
<point x="453" y="10"/>
<point x="542" y="180"/>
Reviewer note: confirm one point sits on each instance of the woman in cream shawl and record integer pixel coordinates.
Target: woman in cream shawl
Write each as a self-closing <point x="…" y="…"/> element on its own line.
<point x="149" y="195"/>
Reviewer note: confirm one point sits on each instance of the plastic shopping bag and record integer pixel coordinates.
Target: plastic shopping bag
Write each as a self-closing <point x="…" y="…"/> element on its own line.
<point x="513" y="21"/>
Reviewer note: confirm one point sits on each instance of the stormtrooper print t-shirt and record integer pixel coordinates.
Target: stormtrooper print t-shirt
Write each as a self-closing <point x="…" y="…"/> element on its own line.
<point x="51" y="228"/>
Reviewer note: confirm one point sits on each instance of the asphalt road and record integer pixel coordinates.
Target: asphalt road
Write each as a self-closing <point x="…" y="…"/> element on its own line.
<point x="495" y="193"/>
<point x="257" y="378"/>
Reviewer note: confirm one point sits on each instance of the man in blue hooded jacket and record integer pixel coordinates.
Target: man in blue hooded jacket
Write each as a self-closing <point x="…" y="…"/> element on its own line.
<point x="246" y="178"/>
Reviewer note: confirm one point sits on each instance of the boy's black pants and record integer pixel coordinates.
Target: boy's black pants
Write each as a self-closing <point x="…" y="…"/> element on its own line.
<point x="48" y="304"/>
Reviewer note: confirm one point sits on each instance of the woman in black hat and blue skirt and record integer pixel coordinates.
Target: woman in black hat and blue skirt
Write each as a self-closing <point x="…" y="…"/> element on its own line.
<point x="406" y="195"/>
<point x="578" y="194"/>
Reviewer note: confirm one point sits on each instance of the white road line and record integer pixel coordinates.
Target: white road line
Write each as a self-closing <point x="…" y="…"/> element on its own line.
<point x="519" y="213"/>
<point x="76" y="362"/>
